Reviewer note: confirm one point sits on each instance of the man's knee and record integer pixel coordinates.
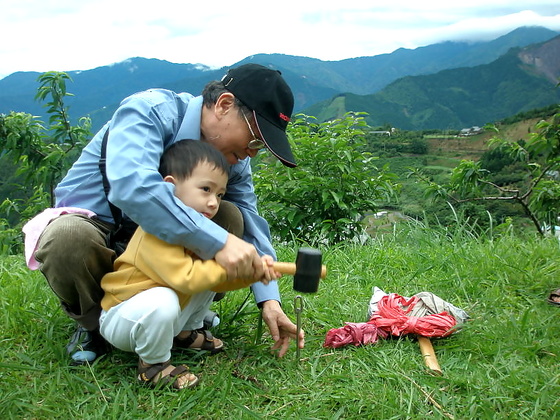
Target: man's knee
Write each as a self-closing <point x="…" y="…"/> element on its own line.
<point x="230" y="218"/>
<point x="69" y="237"/>
<point x="74" y="258"/>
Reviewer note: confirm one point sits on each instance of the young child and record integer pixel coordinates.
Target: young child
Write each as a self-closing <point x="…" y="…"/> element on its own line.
<point x="159" y="293"/>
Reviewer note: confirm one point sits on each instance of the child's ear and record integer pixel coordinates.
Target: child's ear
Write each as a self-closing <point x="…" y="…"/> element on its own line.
<point x="169" y="178"/>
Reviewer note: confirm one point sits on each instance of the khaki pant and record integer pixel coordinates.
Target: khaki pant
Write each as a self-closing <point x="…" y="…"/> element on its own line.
<point x="74" y="257"/>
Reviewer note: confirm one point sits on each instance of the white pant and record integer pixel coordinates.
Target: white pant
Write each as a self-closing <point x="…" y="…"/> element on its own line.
<point x="147" y="322"/>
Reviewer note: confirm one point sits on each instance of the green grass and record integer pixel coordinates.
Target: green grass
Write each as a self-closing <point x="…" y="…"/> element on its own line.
<point x="504" y="364"/>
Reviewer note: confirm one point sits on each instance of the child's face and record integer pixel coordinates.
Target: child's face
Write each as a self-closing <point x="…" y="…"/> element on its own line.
<point x="203" y="190"/>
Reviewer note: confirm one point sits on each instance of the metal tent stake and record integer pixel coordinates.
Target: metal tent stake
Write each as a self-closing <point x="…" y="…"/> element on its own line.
<point x="298" y="309"/>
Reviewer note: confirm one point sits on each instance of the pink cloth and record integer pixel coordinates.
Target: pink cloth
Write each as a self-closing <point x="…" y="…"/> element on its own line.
<point x="33" y="229"/>
<point x="393" y="317"/>
<point x="356" y="333"/>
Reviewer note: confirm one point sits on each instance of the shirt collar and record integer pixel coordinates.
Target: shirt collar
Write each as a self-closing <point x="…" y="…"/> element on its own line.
<point x="190" y="126"/>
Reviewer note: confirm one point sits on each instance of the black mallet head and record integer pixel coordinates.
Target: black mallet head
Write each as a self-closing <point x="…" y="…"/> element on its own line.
<point x="309" y="270"/>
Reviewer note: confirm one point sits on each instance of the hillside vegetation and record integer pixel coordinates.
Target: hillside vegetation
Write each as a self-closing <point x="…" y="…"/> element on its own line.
<point x="521" y="80"/>
<point x="437" y="154"/>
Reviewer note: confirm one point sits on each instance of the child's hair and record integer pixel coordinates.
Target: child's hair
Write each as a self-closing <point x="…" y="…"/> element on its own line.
<point x="180" y="159"/>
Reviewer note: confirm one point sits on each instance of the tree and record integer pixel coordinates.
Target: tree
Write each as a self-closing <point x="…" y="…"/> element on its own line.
<point x="41" y="154"/>
<point x="333" y="186"/>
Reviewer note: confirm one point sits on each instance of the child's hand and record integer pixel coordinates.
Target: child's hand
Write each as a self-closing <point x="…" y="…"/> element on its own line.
<point x="269" y="272"/>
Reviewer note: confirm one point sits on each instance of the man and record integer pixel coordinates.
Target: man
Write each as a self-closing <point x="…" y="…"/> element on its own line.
<point x="247" y="110"/>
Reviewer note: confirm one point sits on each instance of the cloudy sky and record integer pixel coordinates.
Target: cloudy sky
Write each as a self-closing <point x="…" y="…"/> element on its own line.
<point x="64" y="35"/>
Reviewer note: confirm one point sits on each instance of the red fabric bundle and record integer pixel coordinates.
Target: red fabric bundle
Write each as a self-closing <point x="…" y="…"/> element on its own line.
<point x="391" y="317"/>
<point x="353" y="333"/>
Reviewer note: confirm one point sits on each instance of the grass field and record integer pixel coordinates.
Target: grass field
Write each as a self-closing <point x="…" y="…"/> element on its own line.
<point x="504" y="363"/>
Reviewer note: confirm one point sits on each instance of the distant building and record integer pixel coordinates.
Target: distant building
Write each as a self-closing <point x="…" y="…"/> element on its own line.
<point x="465" y="132"/>
<point x="383" y="132"/>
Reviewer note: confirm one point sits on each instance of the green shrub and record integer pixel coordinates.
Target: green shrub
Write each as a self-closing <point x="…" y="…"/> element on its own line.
<point x="334" y="184"/>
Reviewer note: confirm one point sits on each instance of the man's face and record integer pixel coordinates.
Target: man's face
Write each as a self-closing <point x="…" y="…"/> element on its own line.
<point x="203" y="190"/>
<point x="234" y="138"/>
<point x="225" y="128"/>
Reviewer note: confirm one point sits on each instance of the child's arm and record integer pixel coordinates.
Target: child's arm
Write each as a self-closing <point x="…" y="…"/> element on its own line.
<point x="269" y="272"/>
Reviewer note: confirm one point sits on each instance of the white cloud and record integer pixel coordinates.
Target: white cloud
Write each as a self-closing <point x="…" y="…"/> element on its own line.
<point x="79" y="35"/>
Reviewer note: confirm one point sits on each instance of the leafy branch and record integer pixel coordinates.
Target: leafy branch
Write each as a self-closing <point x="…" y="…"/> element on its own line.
<point x="44" y="154"/>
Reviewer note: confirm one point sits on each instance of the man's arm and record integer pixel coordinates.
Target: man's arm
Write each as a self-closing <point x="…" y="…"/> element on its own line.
<point x="142" y="127"/>
<point x="257" y="232"/>
<point x="240" y="191"/>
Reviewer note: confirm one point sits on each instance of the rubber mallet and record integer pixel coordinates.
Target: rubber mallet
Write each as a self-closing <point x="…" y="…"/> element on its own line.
<point x="307" y="270"/>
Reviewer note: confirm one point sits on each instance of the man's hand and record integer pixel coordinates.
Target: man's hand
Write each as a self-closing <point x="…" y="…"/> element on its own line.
<point x="280" y="326"/>
<point x="240" y="259"/>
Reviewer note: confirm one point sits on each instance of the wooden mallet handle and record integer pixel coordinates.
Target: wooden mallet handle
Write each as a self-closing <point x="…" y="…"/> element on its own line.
<point x="290" y="268"/>
<point x="429" y="355"/>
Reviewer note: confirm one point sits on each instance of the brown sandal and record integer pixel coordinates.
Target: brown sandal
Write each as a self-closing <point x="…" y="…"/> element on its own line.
<point x="211" y="344"/>
<point x="154" y="375"/>
<point x="554" y="297"/>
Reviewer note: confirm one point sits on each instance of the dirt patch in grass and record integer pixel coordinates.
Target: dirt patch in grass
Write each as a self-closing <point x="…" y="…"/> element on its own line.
<point x="472" y="147"/>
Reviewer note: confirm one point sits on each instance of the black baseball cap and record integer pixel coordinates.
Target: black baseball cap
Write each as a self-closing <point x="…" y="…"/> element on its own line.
<point x="264" y="91"/>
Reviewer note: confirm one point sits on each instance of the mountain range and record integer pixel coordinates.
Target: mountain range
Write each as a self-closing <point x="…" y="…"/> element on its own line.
<point x="449" y="85"/>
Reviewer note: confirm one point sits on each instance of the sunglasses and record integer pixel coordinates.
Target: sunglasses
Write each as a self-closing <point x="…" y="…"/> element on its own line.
<point x="255" y="144"/>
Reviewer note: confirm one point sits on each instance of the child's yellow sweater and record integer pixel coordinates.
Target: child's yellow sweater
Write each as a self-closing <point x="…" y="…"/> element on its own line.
<point x="150" y="262"/>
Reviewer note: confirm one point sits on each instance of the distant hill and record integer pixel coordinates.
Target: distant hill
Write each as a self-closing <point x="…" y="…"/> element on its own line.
<point x="365" y="75"/>
<point x="520" y="80"/>
<point x="98" y="88"/>
<point x="97" y="92"/>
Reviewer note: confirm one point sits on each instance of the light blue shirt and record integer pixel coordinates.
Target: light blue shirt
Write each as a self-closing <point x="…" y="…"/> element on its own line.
<point x="143" y="126"/>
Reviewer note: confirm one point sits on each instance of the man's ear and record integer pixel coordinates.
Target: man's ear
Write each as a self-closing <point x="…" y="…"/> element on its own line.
<point x="169" y="178"/>
<point x="224" y="104"/>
